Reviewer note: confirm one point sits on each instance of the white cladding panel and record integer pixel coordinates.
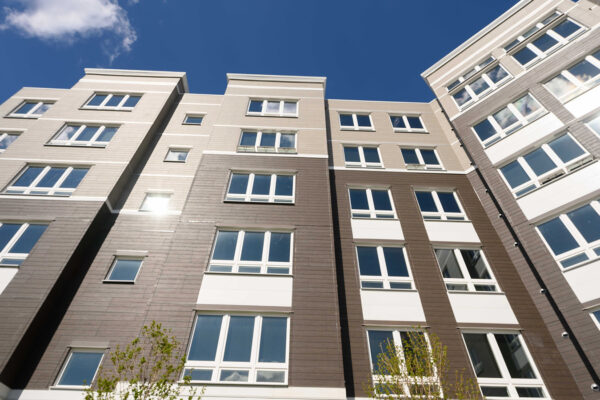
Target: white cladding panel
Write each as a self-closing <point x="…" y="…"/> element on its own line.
<point x="482" y="308"/>
<point x="584" y="281"/>
<point x="584" y="103"/>
<point x="391" y="305"/>
<point x="250" y="290"/>
<point x="451" y="232"/>
<point x="377" y="229"/>
<point x="6" y="275"/>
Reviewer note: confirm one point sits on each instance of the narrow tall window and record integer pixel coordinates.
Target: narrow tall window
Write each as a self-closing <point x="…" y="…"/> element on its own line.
<point x="420" y="158"/>
<point x="280" y="108"/>
<point x="113" y="101"/>
<point x="407" y="123"/>
<point x="269" y="142"/>
<point x="47" y="181"/>
<point x="31" y="109"/>
<point x="6" y="139"/>
<point x="465" y="270"/>
<point x="371" y="203"/>
<point x="440" y="205"/>
<point x="80" y="368"/>
<point x="261" y="187"/>
<point x="383" y="267"/>
<point x="362" y="156"/>
<point x="84" y="135"/>
<point x="576" y="79"/>
<point x="356" y="121"/>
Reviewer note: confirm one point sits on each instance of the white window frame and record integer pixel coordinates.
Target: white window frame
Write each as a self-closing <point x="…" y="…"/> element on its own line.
<point x="471" y="73"/>
<point x="580" y="87"/>
<point x="253" y="366"/>
<point x="548" y="177"/>
<point x="441" y="215"/>
<point x="144" y="208"/>
<point x="81" y="127"/>
<point x="363" y="163"/>
<point x="422" y="164"/>
<point x="55" y="190"/>
<point x="408" y="128"/>
<point x="522" y="121"/>
<point x="584" y="246"/>
<point x="68" y="359"/>
<point x="373" y="214"/>
<point x="260" y="198"/>
<point x="31" y="113"/>
<point x="119" y="107"/>
<point x="355" y="126"/>
<point x="279" y="113"/>
<point x="193" y="115"/>
<point x="467" y="279"/>
<point x="4" y="134"/>
<point x="595" y="118"/>
<point x="594" y="318"/>
<point x="474" y="96"/>
<point x="185" y="150"/>
<point x="384" y="278"/>
<point x="5" y="252"/>
<point x="267" y="149"/>
<point x="506" y="381"/>
<point x="114" y="264"/>
<point x="264" y="263"/>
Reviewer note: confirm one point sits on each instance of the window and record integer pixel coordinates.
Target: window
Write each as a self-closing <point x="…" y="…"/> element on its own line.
<point x="239" y="349"/>
<point x="177" y="155"/>
<point x="484" y="84"/>
<point x="6" y="139"/>
<point x="513" y="116"/>
<point x="252" y="252"/>
<point x="503" y="365"/>
<point x="281" y="108"/>
<point x="383" y="267"/>
<point x="193" y="119"/>
<point x="596" y="317"/>
<point x="465" y="270"/>
<point x="594" y="124"/>
<point x="371" y="203"/>
<point x="111" y="101"/>
<point x="264" y="188"/>
<point x="472" y="72"/>
<point x="17" y="240"/>
<point x="407" y="123"/>
<point x="362" y="156"/>
<point x="546" y="40"/>
<point x="31" y="109"/>
<point x="574" y="237"/>
<point x="156" y="202"/>
<point x="421" y="159"/>
<point x="124" y="269"/>
<point x="440" y="205"/>
<point x="84" y="135"/>
<point x="541" y="166"/>
<point x="270" y="142"/>
<point x="356" y="121"/>
<point x="80" y="368"/>
<point x="576" y="79"/>
<point x="47" y="180"/>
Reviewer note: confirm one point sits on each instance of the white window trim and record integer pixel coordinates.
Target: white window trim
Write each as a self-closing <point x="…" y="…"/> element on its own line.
<point x="588" y="123"/>
<point x="279" y="113"/>
<point x="88" y="143"/>
<point x="264" y="263"/>
<point x="50" y="191"/>
<point x="422" y="164"/>
<point x="584" y="246"/>
<point x="193" y="115"/>
<point x="580" y="87"/>
<point x="31" y="113"/>
<point x="114" y="263"/>
<point x="102" y="105"/>
<point x="373" y="213"/>
<point x="548" y="177"/>
<point x="467" y="279"/>
<point x="4" y="252"/>
<point x="253" y="366"/>
<point x="4" y="134"/>
<point x="507" y="381"/>
<point x="443" y="215"/>
<point x="260" y="198"/>
<point x="181" y="149"/>
<point x="64" y="366"/>
<point x="268" y="149"/>
<point x="476" y="97"/>
<point x="384" y="278"/>
<point x="355" y="126"/>
<point x="363" y="163"/>
<point x="596" y="320"/>
<point x="408" y="128"/>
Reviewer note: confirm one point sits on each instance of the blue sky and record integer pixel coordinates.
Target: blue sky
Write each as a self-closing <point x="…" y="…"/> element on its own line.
<point x="368" y="49"/>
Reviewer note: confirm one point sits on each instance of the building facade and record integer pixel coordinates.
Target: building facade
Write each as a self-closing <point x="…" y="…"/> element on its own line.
<point x="284" y="236"/>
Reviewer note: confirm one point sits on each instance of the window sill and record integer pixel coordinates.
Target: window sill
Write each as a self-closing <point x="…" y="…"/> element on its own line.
<point x="118" y="282"/>
<point x="35" y="195"/>
<point x="249" y="274"/>
<point x="100" y="146"/>
<point x="175" y="161"/>
<point x="74" y="388"/>
<point x="401" y="130"/>
<point x="261" y="202"/>
<point x="377" y="219"/>
<point x="348" y="128"/>
<point x="449" y="220"/>
<point x="475" y="292"/>
<point x="364" y="166"/>
<point x="88" y="108"/>
<point x="209" y="383"/>
<point x="388" y="290"/>
<point x="23" y="116"/>
<point x="270" y="115"/>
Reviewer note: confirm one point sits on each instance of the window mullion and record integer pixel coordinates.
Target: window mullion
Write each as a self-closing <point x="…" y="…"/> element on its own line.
<point x="106" y="100"/>
<point x="277" y="140"/>
<point x="571" y="78"/>
<point x="61" y="179"/>
<point x="272" y="187"/>
<point x="14" y="239"/>
<point x="536" y="51"/>
<point x="499" y="130"/>
<point x="238" y="251"/>
<point x="406" y="122"/>
<point x="35" y="108"/>
<point x="370" y="203"/>
<point x="573" y="231"/>
<point x="221" y="344"/>
<point x="258" y="139"/>
<point x="37" y="180"/>
<point x="99" y="131"/>
<point x="265" y="253"/>
<point x="383" y="267"/>
<point x="250" y="186"/>
<point x="554" y="157"/>
<point x="122" y="102"/>
<point x="354" y="121"/>
<point x="529" y="171"/>
<point x="471" y="92"/>
<point x="438" y="205"/>
<point x="468" y="279"/>
<point x="498" y="356"/>
<point x="419" y="156"/>
<point x="77" y="133"/>
<point x="361" y="156"/>
<point x="255" y="347"/>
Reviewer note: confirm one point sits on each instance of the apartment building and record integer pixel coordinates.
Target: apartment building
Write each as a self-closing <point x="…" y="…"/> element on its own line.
<point x="284" y="236"/>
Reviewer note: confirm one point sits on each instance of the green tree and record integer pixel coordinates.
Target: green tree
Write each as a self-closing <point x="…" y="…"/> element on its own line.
<point x="148" y="368"/>
<point x="418" y="368"/>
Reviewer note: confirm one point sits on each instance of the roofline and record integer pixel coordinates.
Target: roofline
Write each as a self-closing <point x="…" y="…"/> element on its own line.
<point x="492" y="25"/>
<point x="278" y="78"/>
<point x="142" y="73"/>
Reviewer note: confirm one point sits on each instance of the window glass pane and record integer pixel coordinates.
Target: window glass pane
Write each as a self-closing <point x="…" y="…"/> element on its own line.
<point x="514" y="174"/>
<point x="544" y="42"/>
<point x="268" y="139"/>
<point x="205" y="338"/>
<point x="270" y="376"/>
<point x="410" y="156"/>
<point x="479" y="86"/>
<point x="284" y="185"/>
<point x="289" y="107"/>
<point x="225" y="245"/>
<point x="107" y="134"/>
<point x="481" y="356"/>
<point x="381" y="200"/>
<point x="524" y="55"/>
<point x="28" y="176"/>
<point x="176" y="155"/>
<point x="87" y="134"/>
<point x="72" y="181"/>
<point x="51" y="177"/>
<point x="566" y="148"/>
<point x="378" y="342"/>
<point x="239" y="339"/>
<point x="484" y="130"/>
<point x="255" y="106"/>
<point x="234" y="376"/>
<point x="559" y="86"/>
<point x="514" y="356"/>
<point x="358" y="199"/>
<point x="415" y="122"/>
<point x="527" y="105"/>
<point x="279" y="250"/>
<point x="530" y="392"/>
<point x="587" y="222"/>
<point x="461" y="97"/>
<point x="397" y="122"/>
<point x="272" y="106"/>
<point x="115" y="100"/>
<point x="584" y="71"/>
<point x="7" y="231"/>
<point x="125" y="270"/>
<point x="494" y="391"/>
<point x="25" y="108"/>
<point x="67" y="132"/>
<point x="368" y="262"/>
<point x="595" y="125"/>
<point x="287" y="141"/>
<point x="193" y="119"/>
<point x="449" y="203"/>
<point x="363" y="120"/>
<point x="252" y="248"/>
<point x="261" y="185"/>
<point x="132" y="101"/>
<point x="273" y="340"/>
<point x="248" y="139"/>
<point x="346" y="120"/>
<point x="97" y="99"/>
<point x="539" y="161"/>
<point x="497" y="73"/>
<point x="351" y="154"/>
<point x="7" y="140"/>
<point x="28" y="239"/>
<point x="475" y="264"/>
<point x="80" y="369"/>
<point x="425" y="200"/>
<point x="198" y="374"/>
<point x="43" y="108"/>
<point x="566" y="28"/>
<point x="371" y="155"/>
<point x="448" y="264"/>
<point x="558" y="237"/>
<point x="505" y="118"/>
<point x="395" y="261"/>
<point x="429" y="157"/>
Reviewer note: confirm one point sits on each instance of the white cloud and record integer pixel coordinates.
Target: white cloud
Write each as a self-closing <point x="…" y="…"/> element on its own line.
<point x="69" y="20"/>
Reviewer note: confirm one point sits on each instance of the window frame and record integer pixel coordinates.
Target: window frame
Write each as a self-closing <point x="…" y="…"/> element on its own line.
<point x="372" y="211"/>
<point x="467" y="280"/>
<point x="384" y="278"/>
<point x="181" y="149"/>
<point x="68" y="359"/>
<point x="595" y="318"/>
<point x="4" y="134"/>
<point x="63" y="192"/>
<point x="5" y="251"/>
<point x="252" y="366"/>
<point x="355" y="126"/>
<point x="81" y="127"/>
<point x="31" y="113"/>
<point x="444" y="215"/>
<point x="193" y="115"/>
<point x="150" y="193"/>
<point x="408" y="128"/>
<point x="264" y="262"/>
<point x="114" y="264"/>
<point x="267" y="149"/>
<point x="482" y="73"/>
<point x="591" y="121"/>
<point x="362" y="163"/>
<point x="280" y="113"/>
<point x="422" y="164"/>
<point x="119" y="107"/>
<point x="248" y="197"/>
<point x="580" y="87"/>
